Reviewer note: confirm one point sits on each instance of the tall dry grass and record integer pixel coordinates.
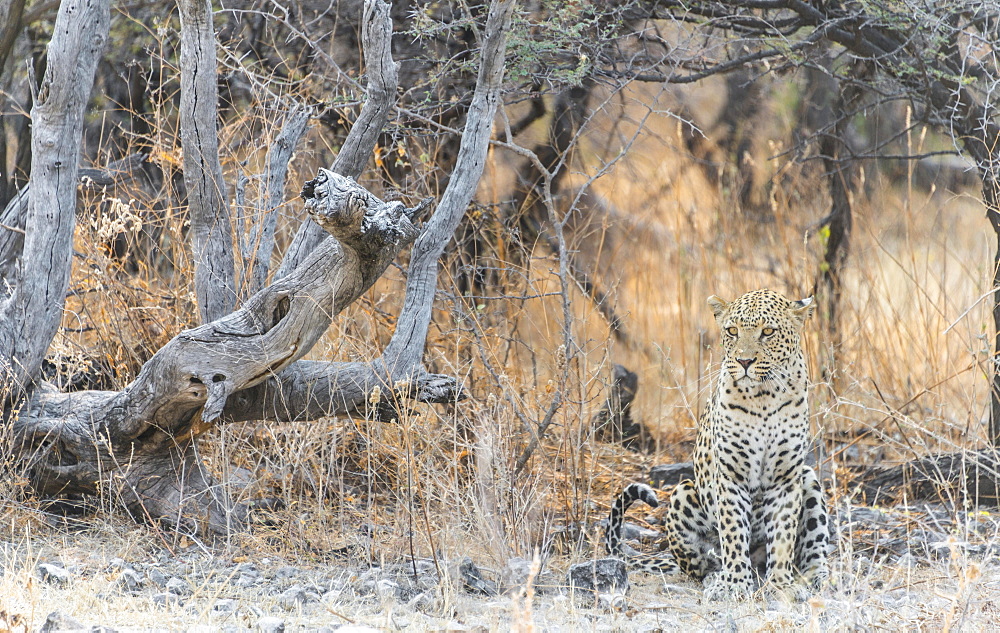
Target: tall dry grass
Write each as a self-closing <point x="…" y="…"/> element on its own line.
<point x="910" y="370"/>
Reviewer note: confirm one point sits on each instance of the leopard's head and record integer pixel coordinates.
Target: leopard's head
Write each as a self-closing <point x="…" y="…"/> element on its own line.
<point x="761" y="333"/>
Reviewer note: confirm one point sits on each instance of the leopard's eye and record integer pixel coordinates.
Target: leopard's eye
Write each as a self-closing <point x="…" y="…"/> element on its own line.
<point x="732" y="331"/>
<point x="768" y="331"/>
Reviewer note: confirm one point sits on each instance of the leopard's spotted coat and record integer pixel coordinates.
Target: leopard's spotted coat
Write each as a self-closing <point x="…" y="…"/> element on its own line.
<point x="753" y="496"/>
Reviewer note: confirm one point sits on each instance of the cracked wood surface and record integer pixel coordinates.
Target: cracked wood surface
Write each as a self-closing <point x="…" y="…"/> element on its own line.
<point x="144" y="432"/>
<point x="208" y="204"/>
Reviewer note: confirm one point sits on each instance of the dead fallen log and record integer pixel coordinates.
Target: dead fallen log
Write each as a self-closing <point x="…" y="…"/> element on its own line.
<point x="962" y="479"/>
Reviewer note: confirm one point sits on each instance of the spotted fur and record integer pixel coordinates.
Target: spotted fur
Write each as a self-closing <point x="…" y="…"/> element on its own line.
<point x="753" y="496"/>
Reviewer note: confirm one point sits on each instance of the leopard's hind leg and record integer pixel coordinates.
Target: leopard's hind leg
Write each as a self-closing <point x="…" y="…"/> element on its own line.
<point x="812" y="545"/>
<point x="690" y="532"/>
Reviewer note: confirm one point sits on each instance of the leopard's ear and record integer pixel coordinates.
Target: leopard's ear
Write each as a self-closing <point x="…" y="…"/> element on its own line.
<point x="718" y="306"/>
<point x="801" y="310"/>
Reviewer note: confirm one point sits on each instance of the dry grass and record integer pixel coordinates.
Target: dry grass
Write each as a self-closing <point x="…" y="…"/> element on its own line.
<point x="911" y="368"/>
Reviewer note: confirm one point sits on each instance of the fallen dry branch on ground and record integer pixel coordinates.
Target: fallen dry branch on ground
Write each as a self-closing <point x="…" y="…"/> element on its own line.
<point x="957" y="479"/>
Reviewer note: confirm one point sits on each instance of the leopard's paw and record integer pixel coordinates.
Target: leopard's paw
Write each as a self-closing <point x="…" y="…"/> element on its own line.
<point x="721" y="586"/>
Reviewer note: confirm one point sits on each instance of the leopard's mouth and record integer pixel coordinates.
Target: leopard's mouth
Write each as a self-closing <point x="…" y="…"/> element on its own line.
<point x="746" y="378"/>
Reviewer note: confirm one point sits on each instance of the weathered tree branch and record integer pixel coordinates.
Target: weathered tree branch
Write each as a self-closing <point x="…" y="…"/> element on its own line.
<point x="30" y="316"/>
<point x="404" y="353"/>
<point x="140" y="441"/>
<point x="950" y="478"/>
<point x="260" y="246"/>
<point x="383" y="79"/>
<point x="208" y="204"/>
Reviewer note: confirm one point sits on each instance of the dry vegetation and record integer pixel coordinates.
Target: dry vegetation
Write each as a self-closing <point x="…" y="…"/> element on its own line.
<point x="911" y="372"/>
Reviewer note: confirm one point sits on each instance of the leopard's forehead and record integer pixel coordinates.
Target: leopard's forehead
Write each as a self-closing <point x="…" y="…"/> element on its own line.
<point x="759" y="305"/>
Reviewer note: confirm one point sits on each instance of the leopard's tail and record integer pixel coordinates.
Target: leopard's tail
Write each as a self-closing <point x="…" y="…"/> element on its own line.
<point x="631" y="494"/>
<point x="613" y="535"/>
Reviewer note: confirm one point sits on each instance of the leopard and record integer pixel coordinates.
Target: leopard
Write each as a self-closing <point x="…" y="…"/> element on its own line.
<point x="754" y="516"/>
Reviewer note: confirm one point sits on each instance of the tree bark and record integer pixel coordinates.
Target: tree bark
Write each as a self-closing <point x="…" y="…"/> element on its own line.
<point x="208" y="204"/>
<point x="949" y="478"/>
<point x="405" y="350"/>
<point x="842" y="176"/>
<point x="260" y="245"/>
<point x="30" y="316"/>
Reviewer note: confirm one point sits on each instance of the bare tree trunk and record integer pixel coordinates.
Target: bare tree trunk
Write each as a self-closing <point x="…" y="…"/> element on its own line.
<point x="9" y="30"/>
<point x="842" y="176"/>
<point x="260" y="246"/>
<point x="208" y="204"/>
<point x="30" y="316"/>
<point x="404" y="353"/>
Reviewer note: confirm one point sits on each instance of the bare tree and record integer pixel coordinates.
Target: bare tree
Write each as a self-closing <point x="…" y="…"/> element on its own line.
<point x="208" y="203"/>
<point x="31" y="312"/>
<point x="140" y="443"/>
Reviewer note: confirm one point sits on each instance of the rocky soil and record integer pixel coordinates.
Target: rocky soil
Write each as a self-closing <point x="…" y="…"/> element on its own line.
<point x="899" y="569"/>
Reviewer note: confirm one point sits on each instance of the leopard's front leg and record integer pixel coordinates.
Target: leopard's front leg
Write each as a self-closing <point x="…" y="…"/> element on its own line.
<point x="781" y="508"/>
<point x="733" y="517"/>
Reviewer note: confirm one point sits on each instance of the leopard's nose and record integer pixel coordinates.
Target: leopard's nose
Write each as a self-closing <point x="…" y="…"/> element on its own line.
<point x="746" y="362"/>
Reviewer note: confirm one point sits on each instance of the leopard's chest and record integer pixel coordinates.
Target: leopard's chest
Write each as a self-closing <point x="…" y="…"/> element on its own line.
<point x="753" y="439"/>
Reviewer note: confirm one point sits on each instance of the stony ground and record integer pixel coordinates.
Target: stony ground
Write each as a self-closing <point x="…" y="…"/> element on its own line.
<point x="916" y="569"/>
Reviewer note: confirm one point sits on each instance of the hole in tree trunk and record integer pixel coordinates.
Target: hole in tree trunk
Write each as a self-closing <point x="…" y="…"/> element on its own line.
<point x="280" y="310"/>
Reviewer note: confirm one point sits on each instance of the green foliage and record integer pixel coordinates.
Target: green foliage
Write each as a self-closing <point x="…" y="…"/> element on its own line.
<point x="556" y="42"/>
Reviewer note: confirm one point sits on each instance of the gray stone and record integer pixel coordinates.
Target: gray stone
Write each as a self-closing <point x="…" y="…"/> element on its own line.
<point x="604" y="575"/>
<point x="117" y="563"/>
<point x="473" y="581"/>
<point x="515" y="573"/>
<point x="632" y="532"/>
<point x="247" y="579"/>
<point x="156" y="577"/>
<point x="57" y="622"/>
<point x="612" y="601"/>
<point x="667" y="475"/>
<point x="178" y="586"/>
<point x="225" y="605"/>
<point x="165" y="599"/>
<point x="129" y="581"/>
<point x="287" y="572"/>
<point x="53" y="574"/>
<point x="906" y="560"/>
<point x="293" y="598"/>
<point x="270" y="624"/>
<point x="331" y="597"/>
